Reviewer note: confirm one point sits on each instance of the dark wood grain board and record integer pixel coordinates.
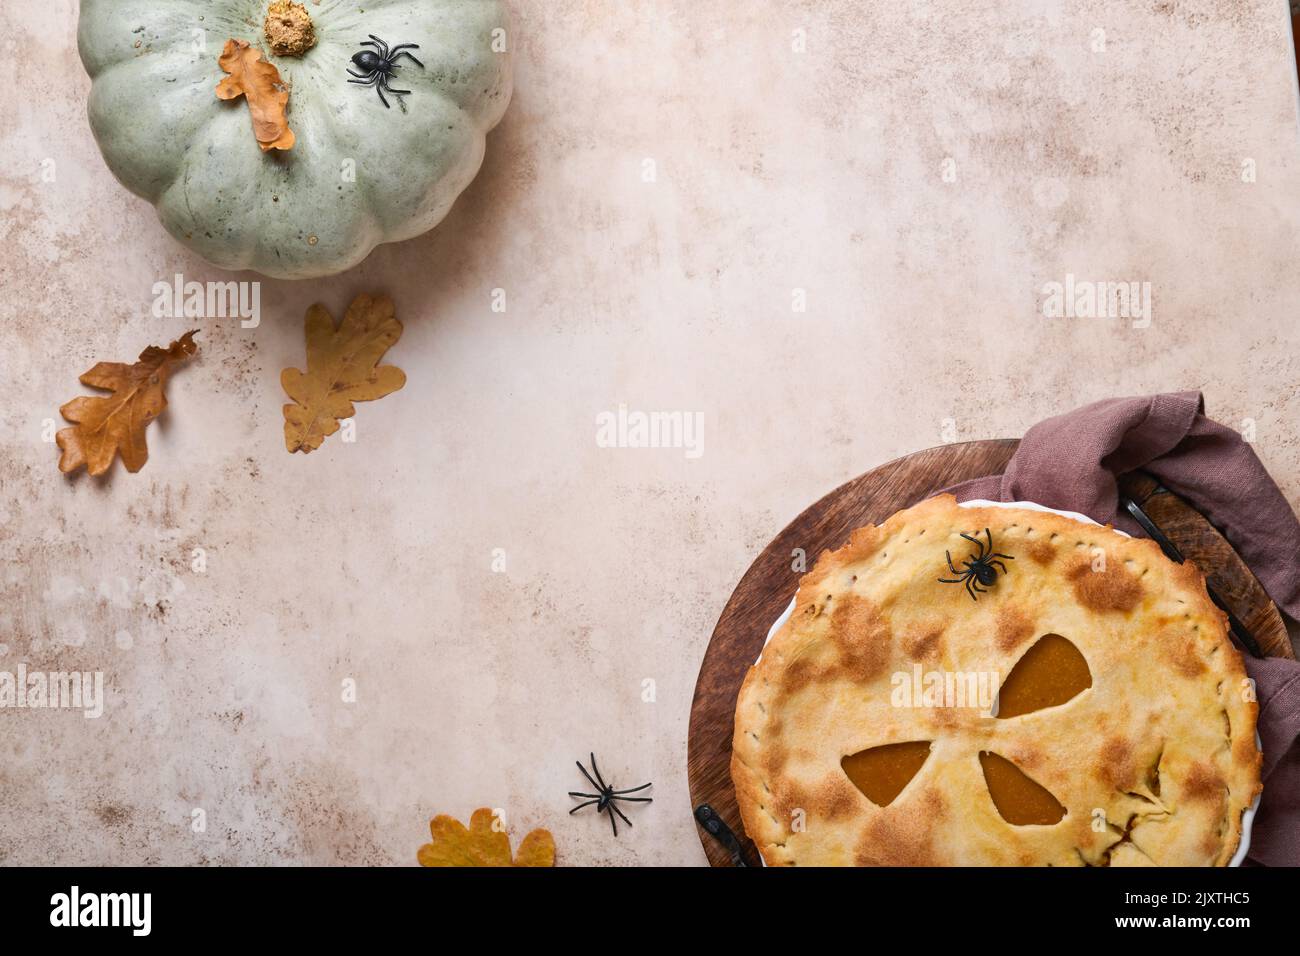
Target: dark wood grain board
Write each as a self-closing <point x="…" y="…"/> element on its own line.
<point x="771" y="580"/>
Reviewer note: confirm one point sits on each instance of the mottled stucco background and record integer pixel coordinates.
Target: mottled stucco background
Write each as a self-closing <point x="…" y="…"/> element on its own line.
<point x="776" y="169"/>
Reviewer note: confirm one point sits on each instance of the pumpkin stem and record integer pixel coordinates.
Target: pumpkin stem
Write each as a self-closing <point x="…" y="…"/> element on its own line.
<point x="288" y="28"/>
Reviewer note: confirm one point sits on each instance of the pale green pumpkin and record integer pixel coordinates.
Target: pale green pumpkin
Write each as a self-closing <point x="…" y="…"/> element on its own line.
<point x="358" y="175"/>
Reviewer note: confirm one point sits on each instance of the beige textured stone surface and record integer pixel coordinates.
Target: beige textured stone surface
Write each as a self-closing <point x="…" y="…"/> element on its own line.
<point x="776" y="170"/>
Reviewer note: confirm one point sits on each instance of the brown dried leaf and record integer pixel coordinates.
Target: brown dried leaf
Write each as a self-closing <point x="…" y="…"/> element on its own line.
<point x="105" y="426"/>
<point x="342" y="368"/>
<point x="481" y="845"/>
<point x="260" y="84"/>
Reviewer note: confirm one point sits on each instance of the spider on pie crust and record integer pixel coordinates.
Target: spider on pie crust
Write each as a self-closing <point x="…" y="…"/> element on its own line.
<point x="605" y="799"/>
<point x="981" y="568"/>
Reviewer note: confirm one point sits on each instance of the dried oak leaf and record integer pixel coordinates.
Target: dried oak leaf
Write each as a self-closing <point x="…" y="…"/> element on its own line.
<point x="260" y="84"/>
<point x="105" y="426"/>
<point x="481" y="845"/>
<point x="342" y="368"/>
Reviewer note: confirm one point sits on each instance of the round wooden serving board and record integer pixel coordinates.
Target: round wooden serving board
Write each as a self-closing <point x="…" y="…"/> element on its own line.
<point x="771" y="581"/>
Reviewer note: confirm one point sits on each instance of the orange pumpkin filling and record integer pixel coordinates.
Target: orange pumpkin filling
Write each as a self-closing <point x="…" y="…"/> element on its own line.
<point x="881" y="773"/>
<point x="1051" y="672"/>
<point x="1019" y="800"/>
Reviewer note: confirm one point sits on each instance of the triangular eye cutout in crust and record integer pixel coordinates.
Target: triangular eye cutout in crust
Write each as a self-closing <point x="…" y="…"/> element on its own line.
<point x="1019" y="800"/>
<point x="881" y="773"/>
<point x="1050" y="673"/>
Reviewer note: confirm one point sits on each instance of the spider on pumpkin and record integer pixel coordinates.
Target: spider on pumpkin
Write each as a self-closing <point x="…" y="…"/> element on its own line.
<point x="607" y="795"/>
<point x="379" y="66"/>
<point x="981" y="568"/>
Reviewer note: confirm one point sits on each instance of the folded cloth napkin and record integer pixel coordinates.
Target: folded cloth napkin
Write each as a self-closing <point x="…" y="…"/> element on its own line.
<point x="1072" y="462"/>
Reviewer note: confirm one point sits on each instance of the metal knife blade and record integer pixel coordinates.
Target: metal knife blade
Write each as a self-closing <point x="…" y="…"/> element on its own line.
<point x="1239" y="630"/>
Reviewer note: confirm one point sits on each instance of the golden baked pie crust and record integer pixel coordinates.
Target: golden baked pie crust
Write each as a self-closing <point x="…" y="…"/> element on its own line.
<point x="1154" y="763"/>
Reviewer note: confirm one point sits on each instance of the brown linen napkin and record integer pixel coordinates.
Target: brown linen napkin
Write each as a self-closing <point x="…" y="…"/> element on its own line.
<point x="1072" y="462"/>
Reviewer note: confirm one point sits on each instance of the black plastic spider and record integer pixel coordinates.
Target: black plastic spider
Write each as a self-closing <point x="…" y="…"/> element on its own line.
<point x="981" y="568"/>
<point x="379" y="65"/>
<point x="605" y="799"/>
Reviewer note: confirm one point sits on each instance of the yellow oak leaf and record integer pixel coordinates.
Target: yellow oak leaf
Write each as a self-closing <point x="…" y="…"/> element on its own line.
<point x="342" y="368"/>
<point x="265" y="92"/>
<point x="482" y="845"/>
<point x="105" y="426"/>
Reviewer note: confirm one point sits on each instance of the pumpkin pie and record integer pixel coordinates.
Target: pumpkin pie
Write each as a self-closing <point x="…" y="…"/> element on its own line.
<point x="997" y="686"/>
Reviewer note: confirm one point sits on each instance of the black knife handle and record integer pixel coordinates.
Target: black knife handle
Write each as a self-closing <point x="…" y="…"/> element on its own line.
<point x="714" y="825"/>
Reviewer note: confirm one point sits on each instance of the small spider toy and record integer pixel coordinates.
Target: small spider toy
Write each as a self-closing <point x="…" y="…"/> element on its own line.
<point x="605" y="799"/>
<point x="378" y="66"/>
<point x="981" y="568"/>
